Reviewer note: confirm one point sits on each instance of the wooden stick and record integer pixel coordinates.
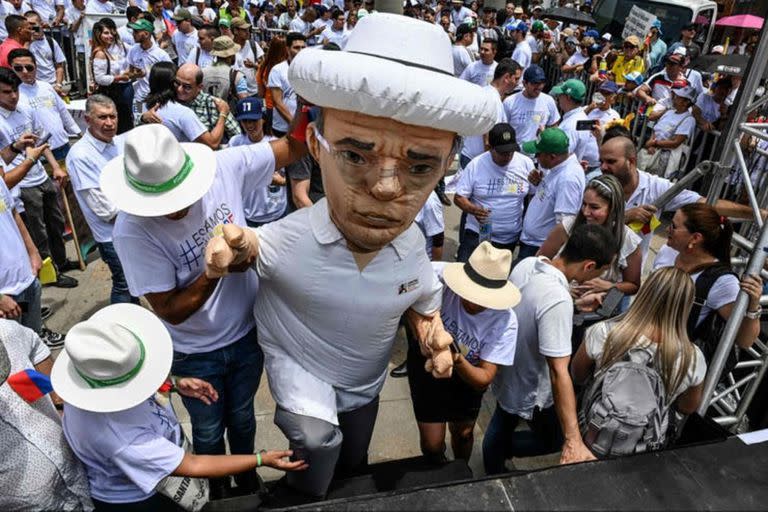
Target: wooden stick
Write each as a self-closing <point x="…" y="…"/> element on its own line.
<point x="68" y="213"/>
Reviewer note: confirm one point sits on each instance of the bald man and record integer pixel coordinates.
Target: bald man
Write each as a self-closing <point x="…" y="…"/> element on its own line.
<point x="211" y="111"/>
<point x="618" y="156"/>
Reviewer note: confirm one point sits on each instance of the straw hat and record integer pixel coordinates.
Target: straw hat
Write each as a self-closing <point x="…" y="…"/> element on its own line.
<point x="114" y="360"/>
<point x="397" y="81"/>
<point x="483" y="280"/>
<point x="156" y="175"/>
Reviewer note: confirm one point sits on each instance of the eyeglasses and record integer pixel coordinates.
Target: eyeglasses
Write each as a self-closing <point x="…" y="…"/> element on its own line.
<point x="184" y="87"/>
<point x="26" y="67"/>
<point x="35" y="28"/>
<point x="354" y="164"/>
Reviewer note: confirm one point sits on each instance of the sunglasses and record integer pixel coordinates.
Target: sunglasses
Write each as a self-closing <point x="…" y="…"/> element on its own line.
<point x="184" y="87"/>
<point x="27" y="67"/>
<point x="35" y="28"/>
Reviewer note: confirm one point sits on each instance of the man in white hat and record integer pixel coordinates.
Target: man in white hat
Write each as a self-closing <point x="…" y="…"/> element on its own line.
<point x="477" y="311"/>
<point x="172" y="199"/>
<point x="335" y="278"/>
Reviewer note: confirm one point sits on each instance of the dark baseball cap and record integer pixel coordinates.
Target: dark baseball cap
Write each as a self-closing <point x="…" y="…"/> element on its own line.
<point x="503" y="138"/>
<point x="249" y="109"/>
<point x="463" y="30"/>
<point x="534" y="74"/>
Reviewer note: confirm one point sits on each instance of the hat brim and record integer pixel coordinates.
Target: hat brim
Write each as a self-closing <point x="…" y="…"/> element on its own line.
<point x="71" y="387"/>
<point x="530" y="147"/>
<point x="502" y="298"/>
<point x="385" y="88"/>
<point x="249" y="116"/>
<point x="506" y="148"/>
<point x="126" y="198"/>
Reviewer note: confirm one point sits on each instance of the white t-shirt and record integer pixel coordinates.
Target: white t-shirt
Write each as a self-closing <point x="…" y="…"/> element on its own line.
<point x="523" y="54"/>
<point x="461" y="59"/>
<point x="576" y="59"/>
<point x="134" y="450"/>
<point x="581" y="142"/>
<point x="479" y="73"/>
<point x="474" y="144"/>
<point x="430" y="220"/>
<point x="596" y="336"/>
<point x="96" y="7"/>
<point x="208" y="14"/>
<point x="500" y="189"/>
<point x="173" y="252"/>
<point x="528" y="116"/>
<point x="182" y="121"/>
<point x="710" y="109"/>
<point x="299" y="25"/>
<point x="558" y="195"/>
<point x="544" y="327"/>
<point x="200" y="57"/>
<point x="12" y="126"/>
<point x="339" y="37"/>
<point x="490" y="335"/>
<point x="278" y="78"/>
<point x="458" y="16"/>
<point x="262" y="205"/>
<point x="184" y="43"/>
<point x="604" y="116"/>
<point x="144" y="60"/>
<point x="50" y="111"/>
<point x="46" y="9"/>
<point x="246" y="53"/>
<point x="47" y="60"/>
<point x="649" y="188"/>
<point x="15" y="269"/>
<point x="723" y="292"/>
<point x="671" y="123"/>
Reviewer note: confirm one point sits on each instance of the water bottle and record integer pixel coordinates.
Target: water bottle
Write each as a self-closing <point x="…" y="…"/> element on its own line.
<point x="485" y="229"/>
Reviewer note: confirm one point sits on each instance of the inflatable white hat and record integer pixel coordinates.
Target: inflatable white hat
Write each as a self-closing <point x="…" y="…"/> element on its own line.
<point x="396" y="67"/>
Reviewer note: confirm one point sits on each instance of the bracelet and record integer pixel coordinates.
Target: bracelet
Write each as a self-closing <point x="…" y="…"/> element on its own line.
<point x="13" y="148"/>
<point x="30" y="159"/>
<point x="754" y="315"/>
<point x="258" y="458"/>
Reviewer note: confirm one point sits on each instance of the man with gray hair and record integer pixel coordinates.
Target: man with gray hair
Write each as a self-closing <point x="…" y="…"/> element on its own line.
<point x="85" y="162"/>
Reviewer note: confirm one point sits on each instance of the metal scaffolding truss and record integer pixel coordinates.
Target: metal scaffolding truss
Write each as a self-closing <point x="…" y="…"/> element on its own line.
<point x="730" y="397"/>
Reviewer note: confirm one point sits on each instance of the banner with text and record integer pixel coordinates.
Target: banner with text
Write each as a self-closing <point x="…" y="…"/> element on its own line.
<point x="638" y="23"/>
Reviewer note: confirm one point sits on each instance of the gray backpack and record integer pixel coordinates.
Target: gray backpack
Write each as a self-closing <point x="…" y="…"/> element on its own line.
<point x="624" y="409"/>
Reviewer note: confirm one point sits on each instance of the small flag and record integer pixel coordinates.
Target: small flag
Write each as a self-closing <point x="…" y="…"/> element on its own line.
<point x="644" y="229"/>
<point x="30" y="385"/>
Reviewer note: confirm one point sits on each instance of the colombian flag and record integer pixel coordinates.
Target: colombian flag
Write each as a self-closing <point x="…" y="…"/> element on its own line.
<point x="30" y="385"/>
<point x="644" y="229"/>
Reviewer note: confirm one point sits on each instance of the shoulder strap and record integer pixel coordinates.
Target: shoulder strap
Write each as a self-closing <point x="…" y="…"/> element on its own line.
<point x="232" y="84"/>
<point x="53" y="52"/>
<point x="704" y="284"/>
<point x="197" y="56"/>
<point x="253" y="49"/>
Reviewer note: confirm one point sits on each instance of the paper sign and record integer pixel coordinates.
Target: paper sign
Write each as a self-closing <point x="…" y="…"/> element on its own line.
<point x="638" y="23"/>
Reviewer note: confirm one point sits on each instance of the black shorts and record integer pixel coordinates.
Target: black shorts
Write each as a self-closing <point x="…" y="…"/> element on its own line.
<point x="439" y="400"/>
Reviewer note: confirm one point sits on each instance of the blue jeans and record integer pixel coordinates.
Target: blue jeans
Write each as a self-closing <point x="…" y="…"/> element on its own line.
<point x="235" y="371"/>
<point x="61" y="152"/>
<point x="502" y="442"/>
<point x="120" y="291"/>
<point x="29" y="301"/>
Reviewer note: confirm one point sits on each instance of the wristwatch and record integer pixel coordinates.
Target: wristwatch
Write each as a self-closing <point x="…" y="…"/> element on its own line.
<point x="754" y="315"/>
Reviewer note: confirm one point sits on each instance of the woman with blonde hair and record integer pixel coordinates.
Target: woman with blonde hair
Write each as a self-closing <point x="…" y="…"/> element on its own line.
<point x="111" y="73"/>
<point x="603" y="204"/>
<point x="653" y="330"/>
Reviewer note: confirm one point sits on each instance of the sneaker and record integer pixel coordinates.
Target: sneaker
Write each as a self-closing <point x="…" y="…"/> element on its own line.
<point x="69" y="265"/>
<point x="63" y="281"/>
<point x="52" y="339"/>
<point x="45" y="312"/>
<point x="400" y="371"/>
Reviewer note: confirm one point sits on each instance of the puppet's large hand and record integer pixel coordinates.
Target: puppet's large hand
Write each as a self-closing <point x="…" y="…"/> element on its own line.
<point x="434" y="341"/>
<point x="234" y="251"/>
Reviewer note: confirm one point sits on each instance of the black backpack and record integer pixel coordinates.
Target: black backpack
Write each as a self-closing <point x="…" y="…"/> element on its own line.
<point x="707" y="335"/>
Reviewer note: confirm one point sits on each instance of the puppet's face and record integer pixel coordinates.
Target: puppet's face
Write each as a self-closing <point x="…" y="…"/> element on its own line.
<point x="377" y="173"/>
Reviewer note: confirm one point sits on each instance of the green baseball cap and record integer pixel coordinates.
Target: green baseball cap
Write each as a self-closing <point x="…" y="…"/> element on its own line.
<point x="537" y="26"/>
<point x="573" y="88"/>
<point x="142" y="25"/>
<point x="551" y="140"/>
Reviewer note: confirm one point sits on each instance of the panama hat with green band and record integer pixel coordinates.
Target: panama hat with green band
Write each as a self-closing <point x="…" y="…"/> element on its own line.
<point x="114" y="360"/>
<point x="156" y="175"/>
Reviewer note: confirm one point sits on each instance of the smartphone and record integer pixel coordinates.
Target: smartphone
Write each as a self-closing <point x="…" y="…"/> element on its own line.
<point x="42" y="139"/>
<point x="611" y="302"/>
<point x="587" y="125"/>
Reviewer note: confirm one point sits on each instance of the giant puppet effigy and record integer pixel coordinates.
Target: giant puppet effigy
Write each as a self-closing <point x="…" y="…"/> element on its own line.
<point x="336" y="278"/>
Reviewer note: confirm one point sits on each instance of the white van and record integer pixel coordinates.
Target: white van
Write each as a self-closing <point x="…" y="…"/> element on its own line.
<point x="674" y="14"/>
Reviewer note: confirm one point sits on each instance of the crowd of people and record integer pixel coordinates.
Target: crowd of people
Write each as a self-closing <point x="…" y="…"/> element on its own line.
<point x="233" y="159"/>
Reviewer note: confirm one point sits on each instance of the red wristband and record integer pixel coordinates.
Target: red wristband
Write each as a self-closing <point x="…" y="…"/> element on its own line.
<point x="300" y="130"/>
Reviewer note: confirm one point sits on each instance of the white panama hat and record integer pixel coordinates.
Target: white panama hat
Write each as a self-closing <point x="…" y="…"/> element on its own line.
<point x="395" y="67"/>
<point x="484" y="278"/>
<point x="114" y="360"/>
<point x="156" y="175"/>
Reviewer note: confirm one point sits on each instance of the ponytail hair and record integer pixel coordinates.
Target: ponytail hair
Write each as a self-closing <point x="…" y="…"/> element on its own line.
<point x="716" y="231"/>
